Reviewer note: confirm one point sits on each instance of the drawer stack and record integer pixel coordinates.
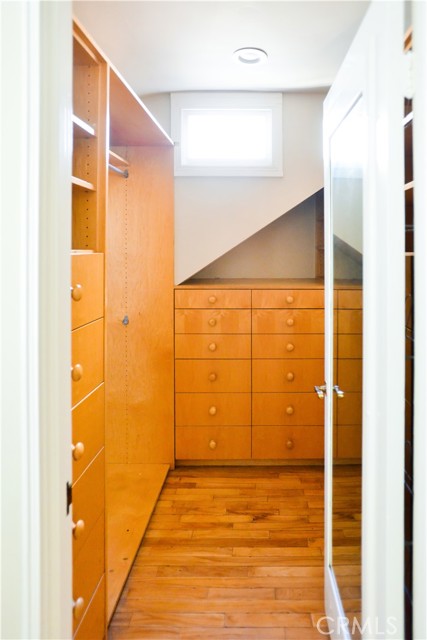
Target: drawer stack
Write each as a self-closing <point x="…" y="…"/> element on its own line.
<point x="87" y="373"/>
<point x="213" y="374"/>
<point x="349" y="374"/>
<point x="287" y="352"/>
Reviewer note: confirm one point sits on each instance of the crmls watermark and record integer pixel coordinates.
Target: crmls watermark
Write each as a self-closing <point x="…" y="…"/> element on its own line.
<point x="343" y="626"/>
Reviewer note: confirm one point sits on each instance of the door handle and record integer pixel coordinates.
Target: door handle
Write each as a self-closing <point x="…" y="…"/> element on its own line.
<point x="338" y="391"/>
<point x="320" y="390"/>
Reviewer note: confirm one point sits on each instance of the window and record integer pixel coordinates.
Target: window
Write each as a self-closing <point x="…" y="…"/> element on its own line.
<point x="227" y="134"/>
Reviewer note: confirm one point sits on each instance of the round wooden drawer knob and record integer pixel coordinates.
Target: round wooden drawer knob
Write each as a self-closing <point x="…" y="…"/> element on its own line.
<point x="290" y="376"/>
<point x="212" y="322"/>
<point x="212" y="346"/>
<point x="212" y="445"/>
<point x="290" y="347"/>
<point x="290" y="410"/>
<point x="212" y="299"/>
<point x="78" y="608"/>
<point x="212" y="376"/>
<point x="290" y="444"/>
<point x="78" y="450"/>
<point x="212" y="411"/>
<point x="78" y="528"/>
<point x="77" y="292"/>
<point x="289" y="299"/>
<point x="76" y="372"/>
<point x="290" y="322"/>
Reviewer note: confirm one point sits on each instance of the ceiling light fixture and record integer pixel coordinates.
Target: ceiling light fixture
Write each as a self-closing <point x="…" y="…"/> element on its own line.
<point x="250" y="55"/>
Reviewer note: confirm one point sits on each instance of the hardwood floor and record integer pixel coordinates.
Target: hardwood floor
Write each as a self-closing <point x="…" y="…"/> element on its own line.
<point x="230" y="552"/>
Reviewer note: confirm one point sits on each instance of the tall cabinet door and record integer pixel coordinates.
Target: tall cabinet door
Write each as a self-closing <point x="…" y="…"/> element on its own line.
<point x="364" y="238"/>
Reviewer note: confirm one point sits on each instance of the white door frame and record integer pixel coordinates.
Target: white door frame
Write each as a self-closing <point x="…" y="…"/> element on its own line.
<point x="35" y="312"/>
<point x="374" y="68"/>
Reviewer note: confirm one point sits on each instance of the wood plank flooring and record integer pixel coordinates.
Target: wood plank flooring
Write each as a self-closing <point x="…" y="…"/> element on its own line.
<point x="231" y="552"/>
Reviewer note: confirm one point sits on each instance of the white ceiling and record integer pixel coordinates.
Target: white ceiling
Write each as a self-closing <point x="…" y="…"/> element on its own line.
<point x="161" y="46"/>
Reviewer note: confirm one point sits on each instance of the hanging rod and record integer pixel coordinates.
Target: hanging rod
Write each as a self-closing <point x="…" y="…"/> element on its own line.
<point x="122" y="172"/>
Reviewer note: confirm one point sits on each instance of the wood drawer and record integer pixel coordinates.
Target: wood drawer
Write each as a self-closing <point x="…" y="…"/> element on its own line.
<point x="212" y="321"/>
<point x="350" y="321"/>
<point x="207" y="346"/>
<point x="288" y="299"/>
<point x="350" y="374"/>
<point x="92" y="627"/>
<point x="213" y="443"/>
<point x="287" y="376"/>
<point x="213" y="408"/>
<point x="88" y="500"/>
<point x="207" y="375"/>
<point x="287" y="409"/>
<point x="288" y="321"/>
<point x="88" y="430"/>
<point x="285" y="346"/>
<point x="349" y="409"/>
<point x="87" y="371"/>
<point x="350" y="299"/>
<point x="87" y="288"/>
<point x="349" y="442"/>
<point x="88" y="567"/>
<point x="350" y="346"/>
<point x="272" y="443"/>
<point x="212" y="299"/>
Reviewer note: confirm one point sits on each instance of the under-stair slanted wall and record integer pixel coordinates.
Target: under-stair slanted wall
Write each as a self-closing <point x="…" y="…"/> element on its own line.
<point x="213" y="215"/>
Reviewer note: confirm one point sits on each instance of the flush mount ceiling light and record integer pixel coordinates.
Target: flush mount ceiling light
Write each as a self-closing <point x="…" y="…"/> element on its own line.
<point x="250" y="55"/>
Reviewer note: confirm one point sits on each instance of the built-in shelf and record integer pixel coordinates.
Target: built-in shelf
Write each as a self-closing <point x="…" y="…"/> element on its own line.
<point x="82" y="129"/>
<point x="116" y="160"/>
<point x="82" y="184"/>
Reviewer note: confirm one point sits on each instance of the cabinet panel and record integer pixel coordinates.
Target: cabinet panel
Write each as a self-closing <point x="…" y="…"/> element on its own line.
<point x="286" y="409"/>
<point x="87" y="288"/>
<point x="286" y="375"/>
<point x="88" y="501"/>
<point x="349" y="441"/>
<point x="286" y="346"/>
<point x="208" y="346"/>
<point x="287" y="299"/>
<point x="350" y="374"/>
<point x="288" y="321"/>
<point x="213" y="408"/>
<point x="213" y="443"/>
<point x="348" y="299"/>
<point x="212" y="321"/>
<point x="212" y="299"/>
<point x="88" y="430"/>
<point x="350" y="321"/>
<point x="350" y="346"/>
<point x="349" y="409"/>
<point x="216" y="375"/>
<point x="276" y="442"/>
<point x="87" y="370"/>
<point x="89" y="566"/>
<point x="92" y="627"/>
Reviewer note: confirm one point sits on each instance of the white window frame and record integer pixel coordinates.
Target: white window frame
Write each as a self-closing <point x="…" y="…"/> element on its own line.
<point x="181" y="102"/>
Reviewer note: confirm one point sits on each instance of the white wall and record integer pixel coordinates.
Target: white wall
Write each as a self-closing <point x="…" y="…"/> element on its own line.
<point x="213" y="215"/>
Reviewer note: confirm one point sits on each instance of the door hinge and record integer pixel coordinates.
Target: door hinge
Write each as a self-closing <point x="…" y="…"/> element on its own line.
<point x="69" y="496"/>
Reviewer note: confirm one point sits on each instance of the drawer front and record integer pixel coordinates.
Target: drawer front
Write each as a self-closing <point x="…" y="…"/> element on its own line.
<point x="350" y="346"/>
<point x="349" y="442"/>
<point x="288" y="321"/>
<point x="87" y="359"/>
<point x="286" y="346"/>
<point x="212" y="321"/>
<point x="88" y="501"/>
<point x="288" y="299"/>
<point x="350" y="299"/>
<point x="273" y="443"/>
<point x="88" y="566"/>
<point x="287" y="409"/>
<point x="287" y="376"/>
<point x="349" y="409"/>
<point x="88" y="430"/>
<point x="218" y="375"/>
<point x="213" y="443"/>
<point x="212" y="299"/>
<point x="213" y="408"/>
<point x="350" y="374"/>
<point x="92" y="626"/>
<point x="350" y="321"/>
<point x="208" y="346"/>
<point x="87" y="288"/>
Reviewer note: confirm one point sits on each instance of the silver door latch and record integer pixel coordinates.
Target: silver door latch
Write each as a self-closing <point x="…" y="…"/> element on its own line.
<point x="338" y="391"/>
<point x="320" y="390"/>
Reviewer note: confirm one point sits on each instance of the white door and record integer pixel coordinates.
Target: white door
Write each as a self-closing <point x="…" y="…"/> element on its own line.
<point x="364" y="209"/>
